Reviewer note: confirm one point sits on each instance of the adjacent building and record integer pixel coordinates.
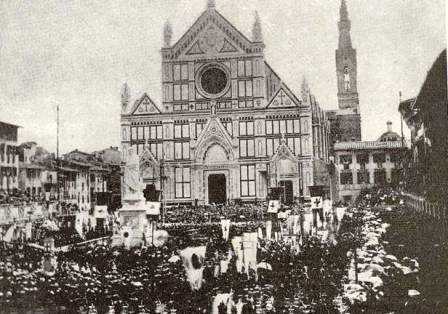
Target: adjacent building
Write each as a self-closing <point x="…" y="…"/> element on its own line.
<point x="37" y="172"/>
<point x="426" y="116"/>
<point x="228" y="128"/>
<point x="363" y="165"/>
<point x="9" y="161"/>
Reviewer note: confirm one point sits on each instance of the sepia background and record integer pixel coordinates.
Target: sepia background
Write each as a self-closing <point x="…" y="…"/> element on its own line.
<point x="79" y="54"/>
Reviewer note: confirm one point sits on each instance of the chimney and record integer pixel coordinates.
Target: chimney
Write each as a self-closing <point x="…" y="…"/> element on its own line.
<point x="389" y="126"/>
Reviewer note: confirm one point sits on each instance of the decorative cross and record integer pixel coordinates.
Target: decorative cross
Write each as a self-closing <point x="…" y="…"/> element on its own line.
<point x="146" y="104"/>
<point x="282" y="95"/>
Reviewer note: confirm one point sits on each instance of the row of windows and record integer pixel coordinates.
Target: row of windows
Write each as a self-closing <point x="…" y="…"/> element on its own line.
<point x="246" y="148"/>
<point x="246" y="128"/>
<point x="244" y="69"/>
<point x="363" y="177"/>
<point x="364" y="158"/>
<point x="286" y="126"/>
<point x="155" y="148"/>
<point x="146" y="132"/>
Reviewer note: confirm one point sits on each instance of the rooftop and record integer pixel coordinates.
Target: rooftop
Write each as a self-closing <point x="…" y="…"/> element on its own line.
<point x="367" y="145"/>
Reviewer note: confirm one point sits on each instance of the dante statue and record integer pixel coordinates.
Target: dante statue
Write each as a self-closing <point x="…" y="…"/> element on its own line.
<point x="132" y="180"/>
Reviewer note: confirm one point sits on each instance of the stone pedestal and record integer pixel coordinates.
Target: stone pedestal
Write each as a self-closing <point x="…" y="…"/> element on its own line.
<point x="135" y="229"/>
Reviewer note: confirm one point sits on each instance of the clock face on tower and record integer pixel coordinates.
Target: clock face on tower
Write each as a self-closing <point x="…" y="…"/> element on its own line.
<point x="213" y="80"/>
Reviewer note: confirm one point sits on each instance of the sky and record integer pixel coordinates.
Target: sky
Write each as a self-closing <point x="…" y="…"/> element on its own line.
<point x="78" y="54"/>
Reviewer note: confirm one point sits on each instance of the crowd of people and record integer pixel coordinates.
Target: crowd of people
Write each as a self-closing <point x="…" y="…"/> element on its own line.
<point x="150" y="279"/>
<point x="371" y="254"/>
<point x="214" y="213"/>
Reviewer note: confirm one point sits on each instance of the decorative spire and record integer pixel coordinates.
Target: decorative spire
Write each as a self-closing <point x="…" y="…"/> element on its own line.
<point x="345" y="40"/>
<point x="257" y="35"/>
<point x="211" y="4"/>
<point x="305" y="90"/>
<point x="125" y="96"/>
<point x="343" y="13"/>
<point x="167" y="35"/>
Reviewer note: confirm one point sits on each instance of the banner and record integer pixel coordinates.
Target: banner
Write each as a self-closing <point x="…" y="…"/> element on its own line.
<point x="307" y="223"/>
<point x="100" y="211"/>
<point x="153" y="208"/>
<point x="225" y="227"/>
<point x="327" y="205"/>
<point x="269" y="229"/>
<point x="193" y="259"/>
<point x="28" y="230"/>
<point x="250" y="241"/>
<point x="9" y="234"/>
<point x="237" y="247"/>
<point x="293" y="225"/>
<point x="80" y="220"/>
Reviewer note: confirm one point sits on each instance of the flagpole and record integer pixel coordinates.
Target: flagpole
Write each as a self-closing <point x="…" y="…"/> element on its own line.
<point x="57" y="160"/>
<point x="401" y="119"/>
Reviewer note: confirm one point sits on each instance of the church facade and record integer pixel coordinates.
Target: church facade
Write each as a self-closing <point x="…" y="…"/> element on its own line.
<point x="227" y="128"/>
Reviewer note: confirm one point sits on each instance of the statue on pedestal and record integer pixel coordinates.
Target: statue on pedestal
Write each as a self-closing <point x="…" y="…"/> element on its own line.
<point x="133" y="185"/>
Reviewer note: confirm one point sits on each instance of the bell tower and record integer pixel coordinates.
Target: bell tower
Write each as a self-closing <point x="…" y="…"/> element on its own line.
<point x="346" y="66"/>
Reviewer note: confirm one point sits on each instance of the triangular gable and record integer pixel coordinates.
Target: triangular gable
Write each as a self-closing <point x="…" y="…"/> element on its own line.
<point x="282" y="100"/>
<point x="213" y="129"/>
<point x="148" y="156"/>
<point x="209" y="33"/>
<point x="195" y="49"/>
<point x="274" y="84"/>
<point x="228" y="47"/>
<point x="144" y="105"/>
<point x="283" y="152"/>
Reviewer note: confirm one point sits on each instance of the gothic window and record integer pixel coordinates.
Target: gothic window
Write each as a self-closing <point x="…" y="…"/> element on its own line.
<point x="245" y="88"/>
<point x="247" y="148"/>
<point x="246" y="128"/>
<point x="183" y="182"/>
<point x="133" y="133"/>
<point x="247" y="180"/>
<point x="346" y="79"/>
<point x="181" y="150"/>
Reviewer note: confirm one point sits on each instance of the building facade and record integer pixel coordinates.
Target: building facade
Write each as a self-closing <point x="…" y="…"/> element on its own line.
<point x="368" y="164"/>
<point x="228" y="128"/>
<point x="9" y="161"/>
<point x="346" y="121"/>
<point x="426" y="117"/>
<point x="37" y="172"/>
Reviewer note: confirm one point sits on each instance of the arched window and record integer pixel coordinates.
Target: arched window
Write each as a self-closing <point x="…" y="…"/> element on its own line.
<point x="346" y="79"/>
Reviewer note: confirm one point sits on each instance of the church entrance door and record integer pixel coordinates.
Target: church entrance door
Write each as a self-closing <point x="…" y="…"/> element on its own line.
<point x="217" y="189"/>
<point x="287" y="195"/>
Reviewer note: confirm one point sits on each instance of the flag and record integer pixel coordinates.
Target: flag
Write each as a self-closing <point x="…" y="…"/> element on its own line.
<point x="193" y="259"/>
<point x="316" y="202"/>
<point x="273" y="207"/>
<point x="225" y="226"/>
